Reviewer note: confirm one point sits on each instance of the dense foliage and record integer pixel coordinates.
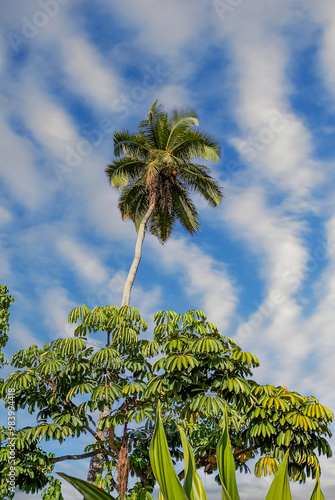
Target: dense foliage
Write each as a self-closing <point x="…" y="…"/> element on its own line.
<point x="196" y="372"/>
<point x="5" y="303"/>
<point x="192" y="488"/>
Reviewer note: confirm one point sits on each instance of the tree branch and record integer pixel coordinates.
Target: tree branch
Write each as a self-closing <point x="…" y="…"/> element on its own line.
<point x="83" y="455"/>
<point x="91" y="431"/>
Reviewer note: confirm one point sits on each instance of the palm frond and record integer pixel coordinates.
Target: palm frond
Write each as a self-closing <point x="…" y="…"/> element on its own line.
<point x="134" y="202"/>
<point x="155" y="131"/>
<point x="160" y="125"/>
<point x="185" y="209"/>
<point x="156" y="109"/>
<point x="129" y="145"/>
<point x="197" y="178"/>
<point x="161" y="224"/>
<point x="193" y="144"/>
<point x="180" y="121"/>
<point x="154" y="128"/>
<point x="121" y="171"/>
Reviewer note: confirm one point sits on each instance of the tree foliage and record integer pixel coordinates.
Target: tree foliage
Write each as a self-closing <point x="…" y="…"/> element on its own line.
<point x="170" y="486"/>
<point x="196" y="372"/>
<point x="5" y="303"/>
<point x="155" y="167"/>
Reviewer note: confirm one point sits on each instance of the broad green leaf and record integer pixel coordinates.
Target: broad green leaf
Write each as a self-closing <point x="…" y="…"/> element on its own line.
<point x="317" y="493"/>
<point x="280" y="486"/>
<point x="162" y="465"/>
<point x="226" y="464"/>
<point x="89" y="491"/>
<point x="193" y="486"/>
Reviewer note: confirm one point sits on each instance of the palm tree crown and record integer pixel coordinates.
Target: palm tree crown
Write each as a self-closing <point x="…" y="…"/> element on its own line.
<point x="155" y="172"/>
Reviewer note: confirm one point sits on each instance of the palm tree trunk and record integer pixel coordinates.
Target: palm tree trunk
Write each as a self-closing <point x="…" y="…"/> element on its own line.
<point x="138" y="253"/>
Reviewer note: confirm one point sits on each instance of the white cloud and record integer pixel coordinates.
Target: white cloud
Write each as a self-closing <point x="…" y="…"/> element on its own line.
<point x="200" y="276"/>
<point x="147" y="302"/>
<point x="88" y="181"/>
<point x="273" y="330"/>
<point x="274" y="141"/>
<point x="164" y="27"/>
<point x="48" y="121"/>
<point x="84" y="262"/>
<point x="86" y="72"/>
<point x="271" y="234"/>
<point x="68" y="491"/>
<point x="5" y="265"/>
<point x="173" y="96"/>
<point x="102" y="211"/>
<point x="319" y="328"/>
<point x="324" y="14"/>
<point x="5" y="216"/>
<point x="21" y="337"/>
<point x="56" y="306"/>
<point x="17" y="168"/>
<point x="2" y="53"/>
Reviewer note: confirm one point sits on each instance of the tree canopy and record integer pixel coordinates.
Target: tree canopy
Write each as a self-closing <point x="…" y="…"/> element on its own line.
<point x="196" y="372"/>
<point x="5" y="303"/>
<point x="155" y="170"/>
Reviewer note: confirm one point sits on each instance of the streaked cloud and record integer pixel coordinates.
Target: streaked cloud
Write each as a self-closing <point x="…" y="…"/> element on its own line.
<point x="57" y="302"/>
<point x="82" y="261"/>
<point x="86" y="73"/>
<point x="201" y="277"/>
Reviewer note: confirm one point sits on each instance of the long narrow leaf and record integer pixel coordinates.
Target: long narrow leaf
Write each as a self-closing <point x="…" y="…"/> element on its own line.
<point x="162" y="465"/>
<point x="226" y="464"/>
<point x="89" y="491"/>
<point x="317" y="493"/>
<point x="224" y="493"/>
<point x="280" y="486"/>
<point x="193" y="486"/>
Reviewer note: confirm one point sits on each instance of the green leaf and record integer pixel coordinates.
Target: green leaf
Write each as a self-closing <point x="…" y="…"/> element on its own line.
<point x="317" y="493"/>
<point x="226" y="464"/>
<point x="193" y="486"/>
<point x="162" y="465"/>
<point x="280" y="487"/>
<point x="89" y="491"/>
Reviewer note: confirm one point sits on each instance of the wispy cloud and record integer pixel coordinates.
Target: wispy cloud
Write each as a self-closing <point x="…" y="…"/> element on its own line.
<point x="325" y="15"/>
<point x="274" y="142"/>
<point x="87" y="74"/>
<point x="18" y="170"/>
<point x="49" y="122"/>
<point x="57" y="302"/>
<point x="201" y="277"/>
<point x="186" y="18"/>
<point x="276" y="237"/>
<point x="83" y="261"/>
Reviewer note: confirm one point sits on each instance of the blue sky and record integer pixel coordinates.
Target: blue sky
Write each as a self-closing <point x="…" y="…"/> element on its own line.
<point x="261" y="75"/>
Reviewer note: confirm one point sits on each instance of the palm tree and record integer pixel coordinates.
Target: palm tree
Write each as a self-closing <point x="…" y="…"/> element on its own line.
<point x="155" y="174"/>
